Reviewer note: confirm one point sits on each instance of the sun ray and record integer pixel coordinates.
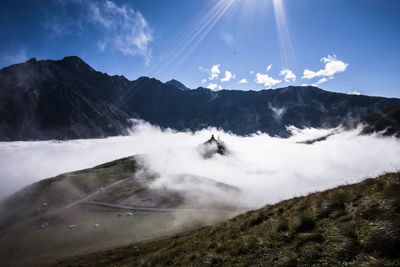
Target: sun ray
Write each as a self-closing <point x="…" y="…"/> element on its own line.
<point x="191" y="37"/>
<point x="285" y="41"/>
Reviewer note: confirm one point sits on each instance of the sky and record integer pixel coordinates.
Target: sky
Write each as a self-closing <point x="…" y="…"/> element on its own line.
<point x="338" y="45"/>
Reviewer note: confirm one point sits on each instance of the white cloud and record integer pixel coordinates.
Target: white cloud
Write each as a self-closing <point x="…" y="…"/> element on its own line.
<point x="289" y="75"/>
<point x="320" y="81"/>
<point x="125" y="29"/>
<point x="203" y="81"/>
<point x="275" y="168"/>
<point x="269" y="67"/>
<point x="243" y="81"/>
<point x="266" y="80"/>
<point x="228" y="76"/>
<point x="252" y="72"/>
<point x="354" y="93"/>
<point x="212" y="86"/>
<point x="214" y="72"/>
<point x="332" y="66"/>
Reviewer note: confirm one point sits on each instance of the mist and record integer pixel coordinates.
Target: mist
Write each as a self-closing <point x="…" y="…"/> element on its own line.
<point x="266" y="169"/>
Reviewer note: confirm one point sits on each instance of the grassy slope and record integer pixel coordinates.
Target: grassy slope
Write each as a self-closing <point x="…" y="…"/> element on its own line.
<point x="354" y="225"/>
<point x="64" y="189"/>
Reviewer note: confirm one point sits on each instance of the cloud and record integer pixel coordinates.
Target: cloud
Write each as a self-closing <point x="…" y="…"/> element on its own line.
<point x="212" y="86"/>
<point x="269" y="67"/>
<point x="266" y="80"/>
<point x="289" y="75"/>
<point x="354" y="93"/>
<point x="252" y="72"/>
<point x="227" y="38"/>
<point x="332" y="66"/>
<point x="228" y="76"/>
<point x="243" y="81"/>
<point x="203" y="81"/>
<point x="274" y="168"/>
<point x="125" y="29"/>
<point x="120" y="26"/>
<point x="17" y="57"/>
<point x="214" y="72"/>
<point x="322" y="80"/>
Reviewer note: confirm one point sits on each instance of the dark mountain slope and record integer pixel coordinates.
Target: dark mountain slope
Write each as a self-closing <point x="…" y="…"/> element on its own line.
<point x="55" y="100"/>
<point x="68" y="99"/>
<point x="354" y="225"/>
<point x="177" y="84"/>
<point x="246" y="112"/>
<point x="387" y="121"/>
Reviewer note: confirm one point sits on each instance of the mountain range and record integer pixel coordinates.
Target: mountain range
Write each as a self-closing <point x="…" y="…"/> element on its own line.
<point x="68" y="99"/>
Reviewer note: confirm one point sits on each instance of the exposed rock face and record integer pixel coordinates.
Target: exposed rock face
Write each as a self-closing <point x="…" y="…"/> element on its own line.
<point x="213" y="146"/>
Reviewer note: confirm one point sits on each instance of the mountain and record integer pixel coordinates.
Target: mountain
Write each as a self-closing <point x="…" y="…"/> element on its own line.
<point x="353" y="225"/>
<point x="68" y="99"/>
<point x="177" y="84"/>
<point x="212" y="147"/>
<point x="386" y="121"/>
<point x="106" y="206"/>
<point x="53" y="100"/>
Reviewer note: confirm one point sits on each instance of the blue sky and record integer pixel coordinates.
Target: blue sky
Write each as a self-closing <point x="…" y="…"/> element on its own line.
<point x="338" y="45"/>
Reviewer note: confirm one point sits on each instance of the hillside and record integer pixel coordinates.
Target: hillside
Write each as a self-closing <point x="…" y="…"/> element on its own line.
<point x="103" y="207"/>
<point x="68" y="99"/>
<point x="387" y="122"/>
<point x="353" y="225"/>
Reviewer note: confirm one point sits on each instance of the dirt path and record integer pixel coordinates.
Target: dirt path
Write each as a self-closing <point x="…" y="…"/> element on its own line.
<point x="136" y="208"/>
<point x="83" y="199"/>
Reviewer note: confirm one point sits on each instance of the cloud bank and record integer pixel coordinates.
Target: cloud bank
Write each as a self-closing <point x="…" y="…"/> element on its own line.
<point x="266" y="169"/>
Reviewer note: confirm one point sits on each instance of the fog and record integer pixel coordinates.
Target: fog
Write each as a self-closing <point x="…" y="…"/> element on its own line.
<point x="266" y="169"/>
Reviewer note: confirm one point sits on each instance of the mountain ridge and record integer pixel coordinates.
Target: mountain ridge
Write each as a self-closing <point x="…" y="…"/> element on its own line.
<point x="68" y="99"/>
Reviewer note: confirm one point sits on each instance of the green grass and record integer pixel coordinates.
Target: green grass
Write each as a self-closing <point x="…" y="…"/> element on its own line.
<point x="353" y="225"/>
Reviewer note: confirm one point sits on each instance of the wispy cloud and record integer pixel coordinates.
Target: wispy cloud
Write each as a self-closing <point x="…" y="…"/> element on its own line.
<point x="16" y="57"/>
<point x="322" y="80"/>
<point x="124" y="29"/>
<point x="269" y="67"/>
<point x="243" y="81"/>
<point x="227" y="38"/>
